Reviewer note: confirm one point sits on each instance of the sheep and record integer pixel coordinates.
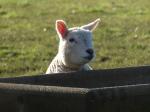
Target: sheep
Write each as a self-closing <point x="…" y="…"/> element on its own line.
<point x="75" y="48"/>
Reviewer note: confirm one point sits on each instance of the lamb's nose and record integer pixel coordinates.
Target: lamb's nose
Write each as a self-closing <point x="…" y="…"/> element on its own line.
<point x="90" y="51"/>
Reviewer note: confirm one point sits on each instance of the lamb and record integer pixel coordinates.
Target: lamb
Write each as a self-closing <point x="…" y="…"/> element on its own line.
<point x="75" y="48"/>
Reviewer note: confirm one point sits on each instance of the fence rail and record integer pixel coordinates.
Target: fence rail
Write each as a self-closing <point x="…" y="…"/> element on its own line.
<point x="110" y="90"/>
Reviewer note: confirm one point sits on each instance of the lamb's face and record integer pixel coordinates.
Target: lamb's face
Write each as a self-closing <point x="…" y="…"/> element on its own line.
<point x="78" y="46"/>
<point x="75" y="44"/>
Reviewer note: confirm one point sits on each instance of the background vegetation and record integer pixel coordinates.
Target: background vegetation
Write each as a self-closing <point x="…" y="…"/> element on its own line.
<point x="28" y="40"/>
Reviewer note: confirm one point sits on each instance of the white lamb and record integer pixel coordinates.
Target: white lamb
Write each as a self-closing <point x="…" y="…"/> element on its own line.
<point x="75" y="48"/>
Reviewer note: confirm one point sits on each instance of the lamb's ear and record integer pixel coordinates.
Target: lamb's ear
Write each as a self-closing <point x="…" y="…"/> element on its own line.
<point x="91" y="26"/>
<point x="61" y="28"/>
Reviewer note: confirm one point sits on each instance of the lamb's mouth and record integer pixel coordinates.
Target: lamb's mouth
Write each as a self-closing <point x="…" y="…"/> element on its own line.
<point x="90" y="57"/>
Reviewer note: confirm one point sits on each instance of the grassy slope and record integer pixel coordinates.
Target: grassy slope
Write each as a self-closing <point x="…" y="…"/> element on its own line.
<point x="28" y="39"/>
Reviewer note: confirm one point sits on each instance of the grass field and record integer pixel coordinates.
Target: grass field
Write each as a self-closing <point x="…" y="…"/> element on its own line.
<point x="28" y="40"/>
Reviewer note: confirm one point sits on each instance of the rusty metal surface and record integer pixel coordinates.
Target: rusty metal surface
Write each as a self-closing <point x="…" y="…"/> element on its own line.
<point x="113" y="90"/>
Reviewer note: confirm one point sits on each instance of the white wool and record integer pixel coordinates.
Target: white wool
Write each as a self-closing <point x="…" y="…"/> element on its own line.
<point x="75" y="48"/>
<point x="57" y="66"/>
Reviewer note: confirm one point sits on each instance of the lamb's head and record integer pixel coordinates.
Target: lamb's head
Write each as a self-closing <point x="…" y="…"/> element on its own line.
<point x="75" y="47"/>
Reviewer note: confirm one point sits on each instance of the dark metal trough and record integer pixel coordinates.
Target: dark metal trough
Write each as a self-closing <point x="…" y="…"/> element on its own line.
<point x="110" y="90"/>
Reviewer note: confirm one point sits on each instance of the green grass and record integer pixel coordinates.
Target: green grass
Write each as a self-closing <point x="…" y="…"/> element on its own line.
<point x="28" y="40"/>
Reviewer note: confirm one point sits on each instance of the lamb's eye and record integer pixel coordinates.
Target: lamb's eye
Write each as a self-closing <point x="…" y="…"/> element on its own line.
<point x="71" y="40"/>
